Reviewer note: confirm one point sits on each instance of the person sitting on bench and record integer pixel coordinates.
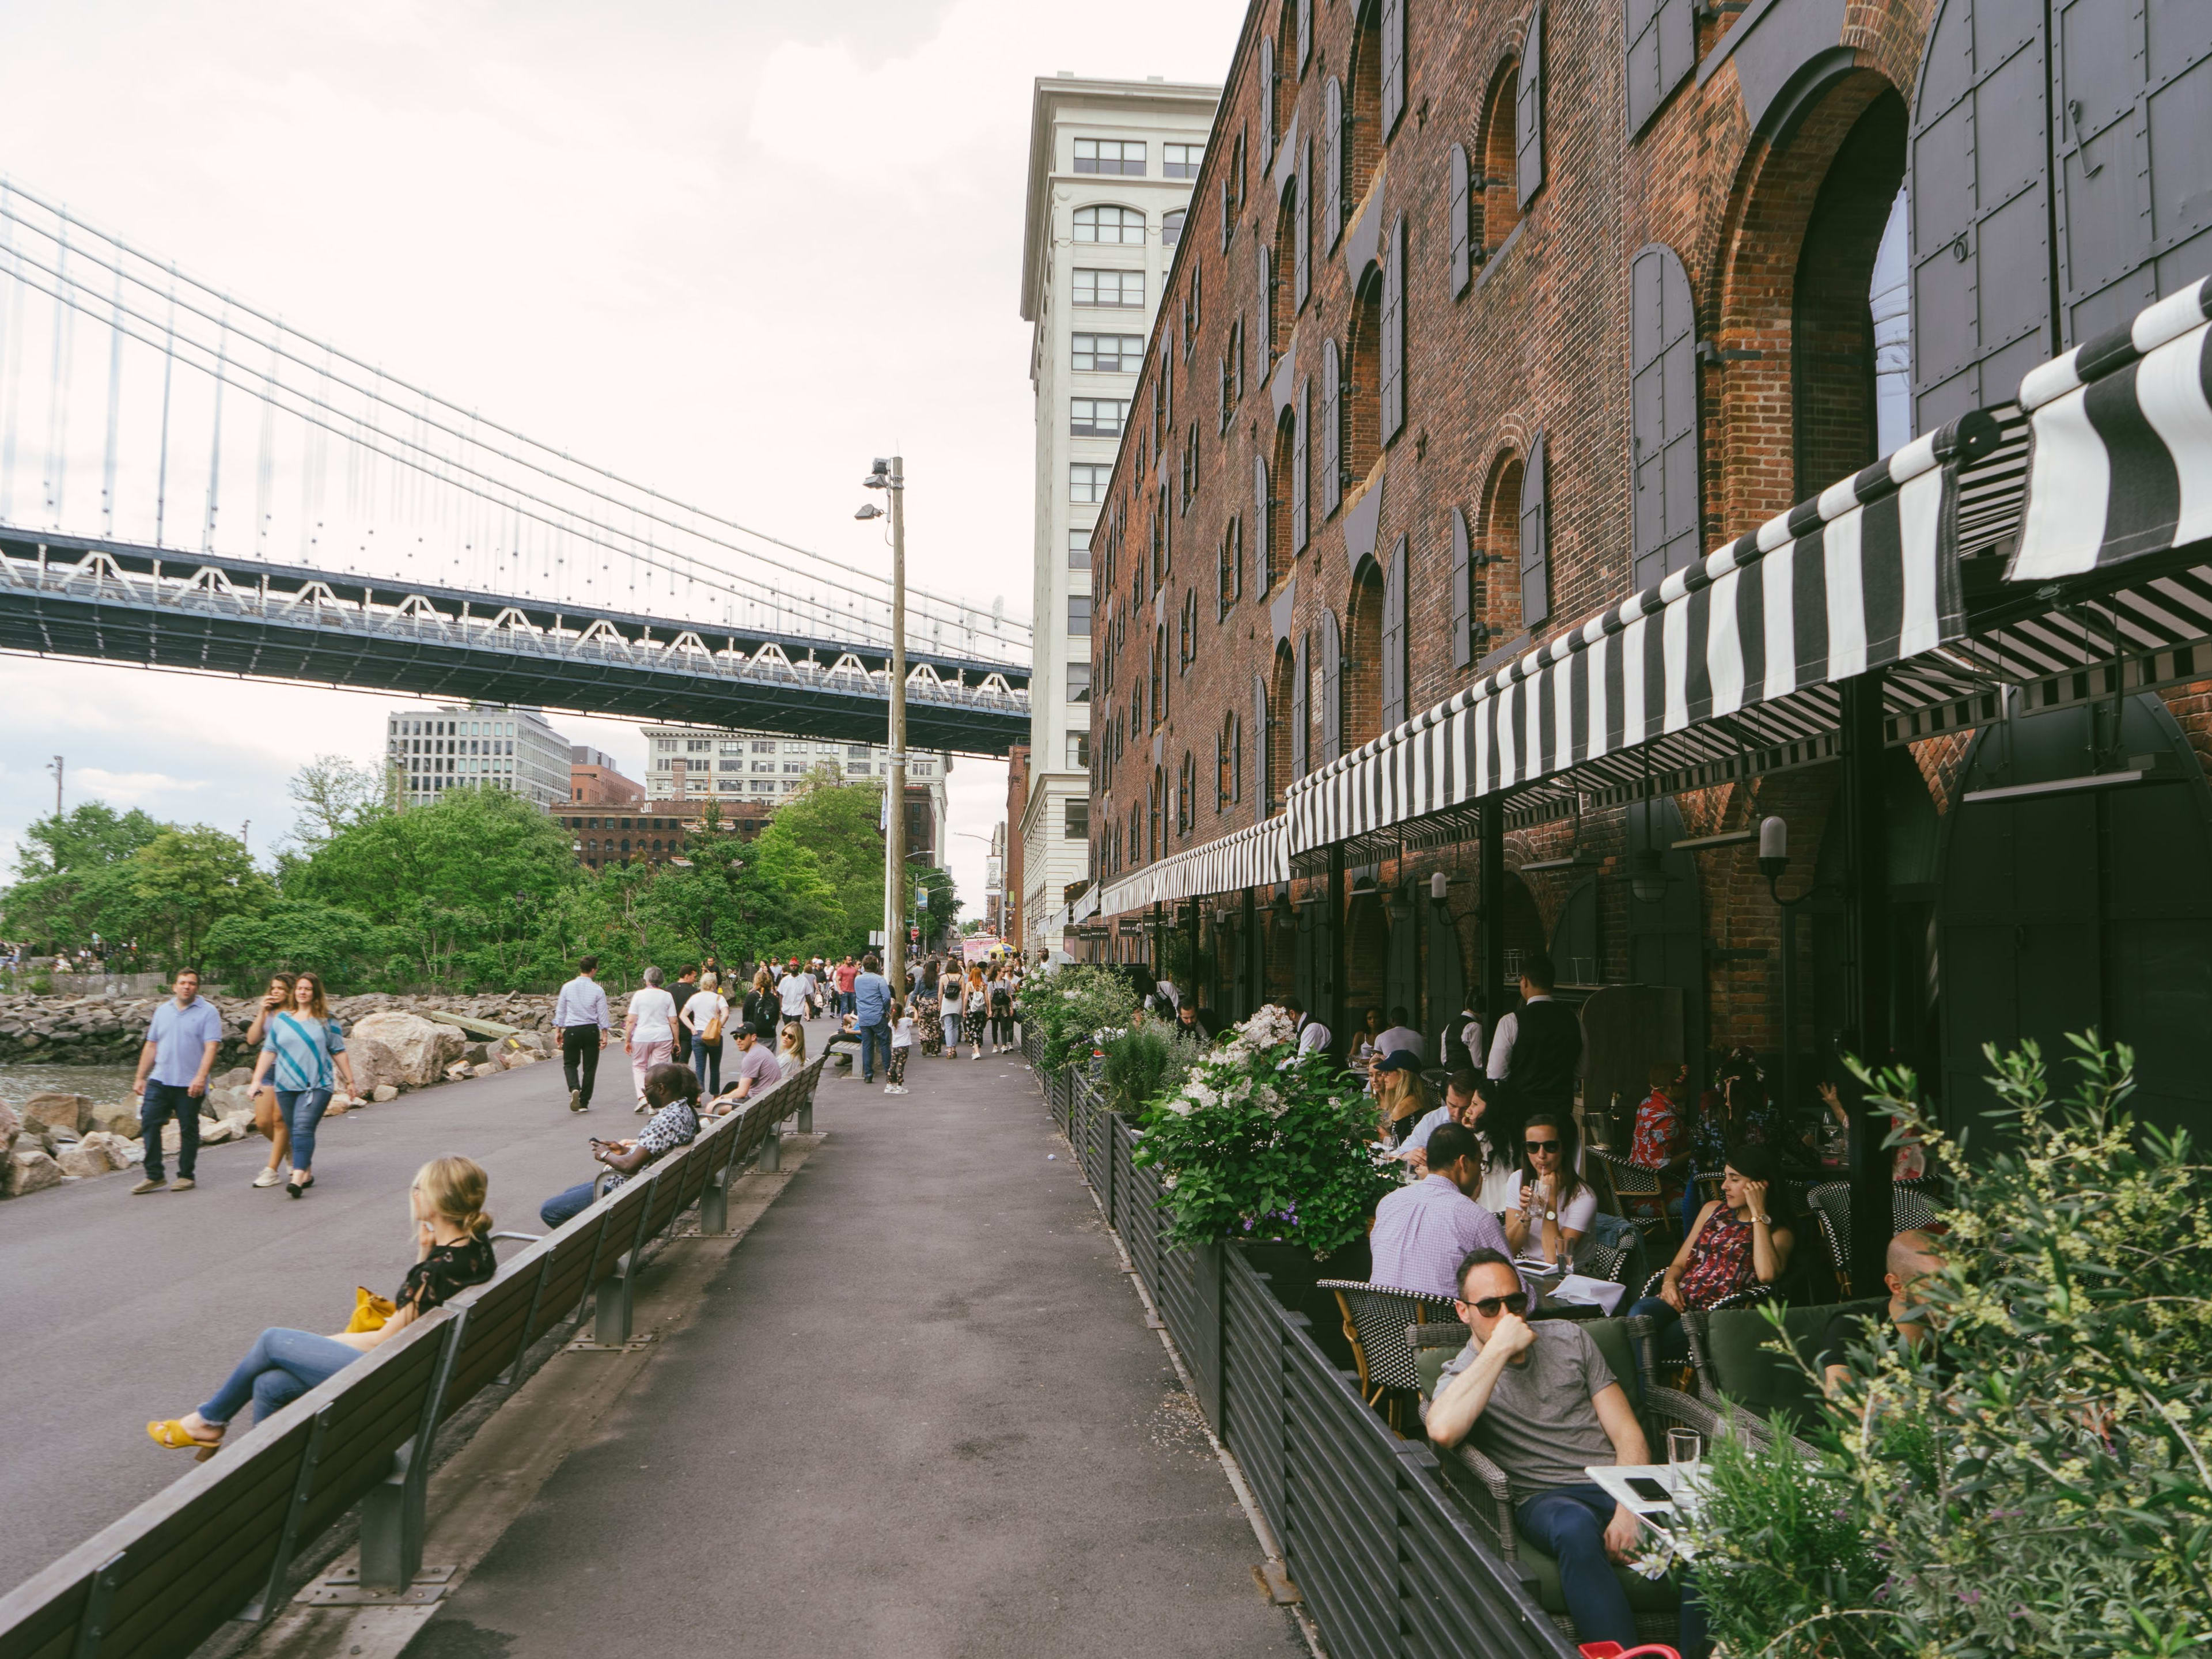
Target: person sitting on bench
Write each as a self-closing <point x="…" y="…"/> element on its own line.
<point x="672" y="1092"/>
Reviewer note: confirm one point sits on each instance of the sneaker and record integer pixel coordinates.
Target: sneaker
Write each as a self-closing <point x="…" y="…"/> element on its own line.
<point x="151" y="1184"/>
<point x="183" y="1184"/>
<point x="576" y="1100"/>
<point x="640" y="1107"/>
<point x="268" y="1177"/>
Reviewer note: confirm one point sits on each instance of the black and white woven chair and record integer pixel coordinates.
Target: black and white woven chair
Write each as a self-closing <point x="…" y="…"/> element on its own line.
<point x="1376" y="1320"/>
<point x="1625" y="1181"/>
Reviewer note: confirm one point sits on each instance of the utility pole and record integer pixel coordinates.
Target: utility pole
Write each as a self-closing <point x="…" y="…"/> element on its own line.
<point x="890" y="478"/>
<point x="56" y="768"/>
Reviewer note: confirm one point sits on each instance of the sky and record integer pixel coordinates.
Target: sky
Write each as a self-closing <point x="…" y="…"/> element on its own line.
<point x="731" y="250"/>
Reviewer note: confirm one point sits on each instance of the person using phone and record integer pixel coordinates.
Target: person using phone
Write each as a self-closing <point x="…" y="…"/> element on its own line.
<point x="1541" y="1403"/>
<point x="672" y="1090"/>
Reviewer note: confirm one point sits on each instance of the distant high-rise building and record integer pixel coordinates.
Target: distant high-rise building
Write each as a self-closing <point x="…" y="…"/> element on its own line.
<point x="471" y="745"/>
<point x="1111" y="166"/>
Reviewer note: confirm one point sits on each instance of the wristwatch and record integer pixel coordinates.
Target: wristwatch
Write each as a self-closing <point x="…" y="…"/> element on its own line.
<point x="1551" y="1215"/>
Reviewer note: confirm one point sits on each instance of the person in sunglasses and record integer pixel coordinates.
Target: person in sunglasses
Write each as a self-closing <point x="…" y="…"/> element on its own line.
<point x="1550" y="1207"/>
<point x="1541" y="1403"/>
<point x="1424" y="1231"/>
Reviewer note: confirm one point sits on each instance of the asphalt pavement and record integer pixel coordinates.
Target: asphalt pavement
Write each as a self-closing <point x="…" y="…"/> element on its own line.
<point x="918" y="1413"/>
<point x="115" y="1309"/>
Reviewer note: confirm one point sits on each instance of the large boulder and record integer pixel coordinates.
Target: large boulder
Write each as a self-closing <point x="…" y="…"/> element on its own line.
<point x="80" y="1161"/>
<point x="11" y="1125"/>
<point x="27" y="1169"/>
<point x="120" y="1151"/>
<point x="420" y="1049"/>
<point x="63" y="1113"/>
<point x="121" y="1120"/>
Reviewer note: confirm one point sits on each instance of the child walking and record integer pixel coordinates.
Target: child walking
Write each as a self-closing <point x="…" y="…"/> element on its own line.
<point x="902" y="1046"/>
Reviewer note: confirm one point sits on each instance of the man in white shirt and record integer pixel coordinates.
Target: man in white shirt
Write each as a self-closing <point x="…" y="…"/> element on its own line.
<point x="648" y="1031"/>
<point x="580" y="1014"/>
<point x="1537" y="1053"/>
<point x="795" y="988"/>
<point x="1401" y="1035"/>
<point x="1312" y="1036"/>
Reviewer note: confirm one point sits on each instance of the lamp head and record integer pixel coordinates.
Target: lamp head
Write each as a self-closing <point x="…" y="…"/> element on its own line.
<point x="1646" y="879"/>
<point x="868" y="510"/>
<point x="1773" y="848"/>
<point x="1439" y="885"/>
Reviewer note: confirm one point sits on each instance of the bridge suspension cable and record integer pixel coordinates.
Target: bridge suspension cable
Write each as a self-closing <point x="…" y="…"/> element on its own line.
<point x="354" y="470"/>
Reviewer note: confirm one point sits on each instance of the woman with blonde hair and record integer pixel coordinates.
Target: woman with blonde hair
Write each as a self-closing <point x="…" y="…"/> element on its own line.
<point x="704" y="1013"/>
<point x="452" y="1251"/>
<point x="1402" y="1097"/>
<point x="268" y="1115"/>
<point x="303" y="1052"/>
<point x="791" y="1047"/>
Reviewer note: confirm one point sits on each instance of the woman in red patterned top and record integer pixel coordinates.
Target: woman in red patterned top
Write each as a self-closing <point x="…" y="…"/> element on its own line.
<point x="1735" y="1243"/>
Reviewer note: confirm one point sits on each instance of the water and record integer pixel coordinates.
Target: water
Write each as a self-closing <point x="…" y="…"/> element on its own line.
<point x="106" y="1085"/>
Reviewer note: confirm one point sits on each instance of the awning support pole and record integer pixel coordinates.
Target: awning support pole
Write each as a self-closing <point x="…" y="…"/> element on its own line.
<point x="1247" y="940"/>
<point x="1866" y="907"/>
<point x="1332" y="995"/>
<point x="1490" y="921"/>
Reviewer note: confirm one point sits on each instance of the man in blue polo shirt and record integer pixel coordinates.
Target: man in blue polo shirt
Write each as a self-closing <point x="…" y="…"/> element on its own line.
<point x="872" y="1005"/>
<point x="172" y="1077"/>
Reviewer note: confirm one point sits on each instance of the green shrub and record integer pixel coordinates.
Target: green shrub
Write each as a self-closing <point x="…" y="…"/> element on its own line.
<point x="2039" y="1480"/>
<point x="1144" y="1061"/>
<point x="1068" y="1007"/>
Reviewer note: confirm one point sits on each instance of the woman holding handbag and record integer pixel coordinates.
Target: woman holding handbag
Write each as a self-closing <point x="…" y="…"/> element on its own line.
<point x="268" y="1115"/>
<point x="303" y="1052"/>
<point x="452" y="1251"/>
<point x="703" y="1016"/>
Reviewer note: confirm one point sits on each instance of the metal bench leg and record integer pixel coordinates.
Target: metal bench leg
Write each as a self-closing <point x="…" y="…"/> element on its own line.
<point x="611" y="1306"/>
<point x="715" y="1205"/>
<point x="392" y="1522"/>
<point x="771" y="1150"/>
<point x="805" y="1124"/>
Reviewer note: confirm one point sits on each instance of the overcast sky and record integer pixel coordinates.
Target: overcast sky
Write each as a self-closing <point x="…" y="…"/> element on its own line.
<point x="732" y="251"/>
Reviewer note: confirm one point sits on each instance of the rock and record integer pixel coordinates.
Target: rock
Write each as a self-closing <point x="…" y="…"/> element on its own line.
<point x="375" y="1063"/>
<point x="382" y="1092"/>
<point x="52" y="1111"/>
<point x="457" y="1072"/>
<point x="80" y="1161"/>
<point x="339" y="1106"/>
<point x="120" y="1152"/>
<point x="115" y="1119"/>
<point x="421" y="1049"/>
<point x="28" y="1171"/>
<point x="11" y="1125"/>
<point x="215" y="1133"/>
<point x="236" y="1078"/>
<point x="515" y="1059"/>
<point x="486" y="1069"/>
<point x="241" y="1124"/>
<point x="477" y="1053"/>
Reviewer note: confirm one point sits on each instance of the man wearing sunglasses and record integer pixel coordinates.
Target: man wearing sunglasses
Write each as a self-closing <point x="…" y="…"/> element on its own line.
<point x="1542" y="1403"/>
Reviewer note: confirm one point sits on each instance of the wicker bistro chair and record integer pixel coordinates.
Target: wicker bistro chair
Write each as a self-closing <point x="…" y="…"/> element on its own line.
<point x="1736" y="1364"/>
<point x="1622" y="1179"/>
<point x="1376" y="1319"/>
<point x="1481" y="1489"/>
<point x="1912" y="1204"/>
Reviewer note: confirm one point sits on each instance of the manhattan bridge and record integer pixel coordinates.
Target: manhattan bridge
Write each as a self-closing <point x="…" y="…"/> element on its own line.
<point x="186" y="482"/>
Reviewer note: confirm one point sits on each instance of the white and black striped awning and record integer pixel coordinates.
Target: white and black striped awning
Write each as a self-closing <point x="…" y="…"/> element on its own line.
<point x="1251" y="857"/>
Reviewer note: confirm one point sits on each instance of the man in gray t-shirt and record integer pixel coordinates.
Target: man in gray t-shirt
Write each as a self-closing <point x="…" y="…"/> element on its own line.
<point x="1542" y="1403"/>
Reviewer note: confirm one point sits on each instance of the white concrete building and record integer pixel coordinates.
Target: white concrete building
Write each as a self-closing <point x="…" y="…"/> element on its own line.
<point x="1111" y="164"/>
<point x="689" y="762"/>
<point x="464" y="744"/>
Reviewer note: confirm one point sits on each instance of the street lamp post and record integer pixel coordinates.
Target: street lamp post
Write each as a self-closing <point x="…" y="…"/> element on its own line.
<point x="890" y="478"/>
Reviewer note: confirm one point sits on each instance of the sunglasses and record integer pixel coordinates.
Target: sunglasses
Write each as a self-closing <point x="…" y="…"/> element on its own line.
<point x="1488" y="1306"/>
<point x="1541" y="1145"/>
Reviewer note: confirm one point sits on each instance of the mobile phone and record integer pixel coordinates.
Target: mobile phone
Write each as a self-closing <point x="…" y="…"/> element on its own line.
<point x="1650" y="1490"/>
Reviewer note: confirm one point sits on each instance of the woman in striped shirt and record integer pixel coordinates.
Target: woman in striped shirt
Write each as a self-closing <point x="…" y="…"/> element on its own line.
<point x="299" y="1052"/>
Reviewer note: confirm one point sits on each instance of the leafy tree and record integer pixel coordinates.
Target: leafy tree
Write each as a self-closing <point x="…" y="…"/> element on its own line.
<point x="180" y="884"/>
<point x="335" y="793"/>
<point x="293" y="934"/>
<point x="67" y="890"/>
<point x="838" y="822"/>
<point x="94" y="835"/>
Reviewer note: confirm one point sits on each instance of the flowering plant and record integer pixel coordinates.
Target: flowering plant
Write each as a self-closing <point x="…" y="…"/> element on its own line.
<point x="1260" y="1143"/>
<point x="1068" y="1007"/>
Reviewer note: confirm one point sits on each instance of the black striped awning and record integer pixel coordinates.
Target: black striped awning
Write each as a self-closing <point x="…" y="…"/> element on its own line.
<point x="1251" y="857"/>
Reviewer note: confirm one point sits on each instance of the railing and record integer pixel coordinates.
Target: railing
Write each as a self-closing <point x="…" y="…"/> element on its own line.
<point x="1387" y="1562"/>
<point x="219" y="1544"/>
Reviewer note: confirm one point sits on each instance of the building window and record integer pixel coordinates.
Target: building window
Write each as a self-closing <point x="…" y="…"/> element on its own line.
<point x="699" y="745"/>
<point x="1186" y="788"/>
<point x="763" y="786"/>
<point x="1078" y="682"/>
<point x="1171" y="226"/>
<point x="1078" y="751"/>
<point x="1180" y="161"/>
<point x="764" y="766"/>
<point x="797" y="767"/>
<point x="1079" y="613"/>
<point x="1075" y="820"/>
<point x="1086" y="482"/>
<point x="758" y="748"/>
<point x="1098" y="418"/>
<point x="1110" y="287"/>
<point x="856" y="751"/>
<point x="733" y="766"/>
<point x="1119" y="155"/>
<point x="1108" y="354"/>
<point x="1187" y="646"/>
<point x="1109" y="224"/>
<point x="1079" y="550"/>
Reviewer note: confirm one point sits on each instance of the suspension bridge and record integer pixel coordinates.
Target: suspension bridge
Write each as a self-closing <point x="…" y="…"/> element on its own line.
<point x="189" y="483"/>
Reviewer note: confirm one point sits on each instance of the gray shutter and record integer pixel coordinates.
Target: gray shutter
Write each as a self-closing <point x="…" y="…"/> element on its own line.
<point x="1462" y="263"/>
<point x="1663" y="49"/>
<point x="1393" y="639"/>
<point x="1300" y="449"/>
<point x="1529" y="111"/>
<point x="1228" y="220"/>
<point x="1267" y="99"/>
<point x="1536" y="540"/>
<point x="1266" y="360"/>
<point x="1300" y="719"/>
<point x="1306" y="34"/>
<point x="1301" y="229"/>
<point x="1981" y="253"/>
<point x="1663" y="413"/>
<point x="1220" y="795"/>
<point x="1393" y="64"/>
<point x="1463" y="593"/>
<point x="1260" y="563"/>
<point x="1332" y="690"/>
<point x="1332" y="162"/>
<point x="2133" y="129"/>
<point x="1332" y="430"/>
<point x="1260" y="798"/>
<point x="1394" y="335"/>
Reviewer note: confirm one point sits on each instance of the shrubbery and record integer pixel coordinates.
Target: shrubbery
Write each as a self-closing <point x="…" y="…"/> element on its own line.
<point x="1068" y="1007"/>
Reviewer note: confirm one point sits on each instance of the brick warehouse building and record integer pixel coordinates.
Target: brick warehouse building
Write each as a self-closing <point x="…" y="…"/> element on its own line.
<point x="1501" y="319"/>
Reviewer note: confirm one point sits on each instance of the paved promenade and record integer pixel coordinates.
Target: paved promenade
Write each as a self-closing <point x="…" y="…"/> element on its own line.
<point x="918" y="1413"/>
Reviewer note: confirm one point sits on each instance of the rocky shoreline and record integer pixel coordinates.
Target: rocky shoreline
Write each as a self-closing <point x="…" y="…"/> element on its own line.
<point x="395" y="1044"/>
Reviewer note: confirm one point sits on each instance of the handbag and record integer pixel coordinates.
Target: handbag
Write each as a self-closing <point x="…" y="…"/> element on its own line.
<point x="713" y="1032"/>
<point x="370" y="1310"/>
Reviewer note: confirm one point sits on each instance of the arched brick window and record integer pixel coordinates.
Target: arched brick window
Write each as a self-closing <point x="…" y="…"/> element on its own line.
<point x="1360" y="391"/>
<point x="1281" y="548"/>
<point x="1363" y="127"/>
<point x="1494" y="205"/>
<point x="1496" y="605"/>
<point x="1359" y="705"/>
<point x="1328" y="464"/>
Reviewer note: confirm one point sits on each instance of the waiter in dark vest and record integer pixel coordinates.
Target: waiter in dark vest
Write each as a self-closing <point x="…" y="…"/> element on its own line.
<point x="1537" y="1052"/>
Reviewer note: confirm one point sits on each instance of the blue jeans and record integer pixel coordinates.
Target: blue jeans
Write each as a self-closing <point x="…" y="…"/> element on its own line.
<point x="874" y="1039"/>
<point x="1670" y="1343"/>
<point x="1568" y="1523"/>
<point x="161" y="1100"/>
<point x="281" y="1366"/>
<point x="849" y="1002"/>
<point x="303" y="1110"/>
<point x="706" y="1060"/>
<point x="566" y="1205"/>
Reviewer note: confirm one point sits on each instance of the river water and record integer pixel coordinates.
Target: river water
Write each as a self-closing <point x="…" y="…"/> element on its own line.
<point x="106" y="1085"/>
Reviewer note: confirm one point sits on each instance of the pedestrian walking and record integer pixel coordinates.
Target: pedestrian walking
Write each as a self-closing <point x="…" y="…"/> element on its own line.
<point x="902" y="1046"/>
<point x="975" y="1010"/>
<point x="950" y="995"/>
<point x="648" y="1032"/>
<point x="701" y="1020"/>
<point x="173" y="1065"/>
<point x="761" y="1007"/>
<point x="687" y="981"/>
<point x="1002" y="1014"/>
<point x="795" y="991"/>
<point x="268" y="1116"/>
<point x="303" y="1054"/>
<point x="924" y="1008"/>
<point x="871" y="995"/>
<point x="580" y="1014"/>
<point x="844" y="974"/>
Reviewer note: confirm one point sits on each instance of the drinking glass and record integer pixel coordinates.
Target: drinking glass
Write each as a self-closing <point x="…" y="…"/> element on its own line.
<point x="1685" y="1451"/>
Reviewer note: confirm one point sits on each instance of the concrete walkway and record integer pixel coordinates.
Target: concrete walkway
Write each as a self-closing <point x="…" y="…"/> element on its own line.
<point x="919" y="1414"/>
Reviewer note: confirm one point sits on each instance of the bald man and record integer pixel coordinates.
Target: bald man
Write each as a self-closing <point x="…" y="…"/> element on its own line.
<point x="1914" y="1255"/>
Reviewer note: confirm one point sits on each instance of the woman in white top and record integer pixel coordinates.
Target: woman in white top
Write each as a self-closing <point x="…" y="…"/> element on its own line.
<point x="1552" y="1206"/>
<point x="948" y="1009"/>
<point x="704" y="1016"/>
<point x="791" y="1047"/>
<point x="648" y="1031"/>
<point x="902" y="1046"/>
